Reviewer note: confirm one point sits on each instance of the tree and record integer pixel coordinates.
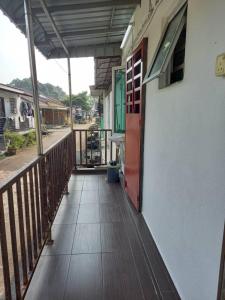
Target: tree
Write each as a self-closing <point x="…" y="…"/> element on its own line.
<point x="45" y="89"/>
<point x="82" y="100"/>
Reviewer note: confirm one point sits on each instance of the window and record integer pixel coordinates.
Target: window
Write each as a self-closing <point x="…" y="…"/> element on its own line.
<point x="119" y="100"/>
<point x="12" y="103"/>
<point x="168" y="63"/>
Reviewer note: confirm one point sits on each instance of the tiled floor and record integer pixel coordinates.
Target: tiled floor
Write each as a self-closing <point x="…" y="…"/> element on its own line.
<point x="95" y="254"/>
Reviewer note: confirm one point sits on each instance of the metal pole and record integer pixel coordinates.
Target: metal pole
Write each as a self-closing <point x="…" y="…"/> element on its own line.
<point x="33" y="71"/>
<point x="70" y="92"/>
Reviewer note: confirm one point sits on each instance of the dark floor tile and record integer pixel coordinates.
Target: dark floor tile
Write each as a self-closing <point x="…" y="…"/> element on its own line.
<point x="108" y="197"/>
<point x="102" y="178"/>
<point x="113" y="237"/>
<point x="49" y="279"/>
<point x="90" y="185"/>
<point x="75" y="177"/>
<point x="62" y="236"/>
<point x="67" y="214"/>
<point x="88" y="213"/>
<point x="75" y="185"/>
<point x="109" y="187"/>
<point x="87" y="239"/>
<point x="73" y="198"/>
<point x="84" y="278"/>
<point x="93" y="178"/>
<point x="147" y="281"/>
<point x="120" y="280"/>
<point x="110" y="212"/>
<point x="89" y="197"/>
<point x="170" y="296"/>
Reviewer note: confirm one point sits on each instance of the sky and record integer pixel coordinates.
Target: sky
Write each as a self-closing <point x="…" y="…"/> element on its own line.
<point x="14" y="62"/>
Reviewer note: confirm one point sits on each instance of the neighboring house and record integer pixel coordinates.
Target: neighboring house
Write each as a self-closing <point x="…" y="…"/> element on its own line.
<point x="175" y="123"/>
<point x="17" y="111"/>
<point x="54" y="113"/>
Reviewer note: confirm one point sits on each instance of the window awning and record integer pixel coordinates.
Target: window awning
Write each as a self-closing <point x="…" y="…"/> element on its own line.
<point x="103" y="71"/>
<point x="87" y="27"/>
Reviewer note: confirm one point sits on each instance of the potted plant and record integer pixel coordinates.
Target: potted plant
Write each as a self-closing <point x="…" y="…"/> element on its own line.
<point x="11" y="150"/>
<point x="14" y="141"/>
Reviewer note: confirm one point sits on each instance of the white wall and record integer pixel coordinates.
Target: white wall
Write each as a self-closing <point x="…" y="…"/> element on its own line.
<point x="184" y="161"/>
<point x="7" y="96"/>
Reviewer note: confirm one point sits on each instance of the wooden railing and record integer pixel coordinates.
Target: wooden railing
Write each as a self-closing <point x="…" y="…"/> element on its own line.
<point x="28" y="205"/>
<point x="92" y="147"/>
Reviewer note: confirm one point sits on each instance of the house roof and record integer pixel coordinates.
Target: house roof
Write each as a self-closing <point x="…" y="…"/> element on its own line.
<point x="8" y="88"/>
<point x="45" y="102"/>
<point x="87" y="27"/>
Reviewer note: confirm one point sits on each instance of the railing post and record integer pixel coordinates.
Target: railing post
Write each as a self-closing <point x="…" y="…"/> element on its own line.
<point x="4" y="252"/>
<point x="43" y="194"/>
<point x="70" y="92"/>
<point x="33" y="71"/>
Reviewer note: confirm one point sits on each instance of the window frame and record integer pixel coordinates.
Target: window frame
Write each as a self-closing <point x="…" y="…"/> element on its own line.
<point x="148" y="77"/>
<point x="14" y="106"/>
<point x="114" y="70"/>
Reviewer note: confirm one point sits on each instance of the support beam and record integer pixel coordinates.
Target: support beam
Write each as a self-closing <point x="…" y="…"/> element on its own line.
<point x="91" y="31"/>
<point x="100" y="50"/>
<point x="45" y="9"/>
<point x="70" y="92"/>
<point x="33" y="71"/>
<point x="86" y="5"/>
<point x="52" y="22"/>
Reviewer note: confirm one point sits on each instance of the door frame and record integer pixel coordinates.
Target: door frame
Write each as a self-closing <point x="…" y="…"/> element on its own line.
<point x="142" y="134"/>
<point x="143" y="46"/>
<point x="222" y="268"/>
<point x="114" y="69"/>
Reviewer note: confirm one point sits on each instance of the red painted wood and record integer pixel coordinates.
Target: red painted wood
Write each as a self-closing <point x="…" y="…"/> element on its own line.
<point x="132" y="154"/>
<point x="134" y="115"/>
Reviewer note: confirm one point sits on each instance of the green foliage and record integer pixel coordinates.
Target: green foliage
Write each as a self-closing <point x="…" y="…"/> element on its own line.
<point x="30" y="138"/>
<point x="82" y="100"/>
<point x="18" y="141"/>
<point x="14" y="139"/>
<point x="45" y="89"/>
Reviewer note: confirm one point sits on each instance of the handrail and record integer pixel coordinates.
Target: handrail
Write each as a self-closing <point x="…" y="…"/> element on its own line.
<point x="92" y="147"/>
<point x="29" y="201"/>
<point x="12" y="179"/>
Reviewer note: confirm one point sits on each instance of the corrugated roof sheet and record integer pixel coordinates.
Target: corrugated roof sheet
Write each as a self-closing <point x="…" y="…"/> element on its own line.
<point x="88" y="27"/>
<point x="103" y="71"/>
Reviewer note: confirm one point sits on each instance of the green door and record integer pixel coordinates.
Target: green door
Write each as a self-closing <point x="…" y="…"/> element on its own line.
<point x="119" y="101"/>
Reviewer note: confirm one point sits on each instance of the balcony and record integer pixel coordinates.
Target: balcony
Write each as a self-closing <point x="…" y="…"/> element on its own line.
<point x="72" y="235"/>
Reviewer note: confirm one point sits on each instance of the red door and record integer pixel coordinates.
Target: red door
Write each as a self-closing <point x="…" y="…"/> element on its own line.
<point x="135" y="97"/>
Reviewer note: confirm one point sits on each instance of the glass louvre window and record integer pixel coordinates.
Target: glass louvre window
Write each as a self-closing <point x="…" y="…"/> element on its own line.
<point x="167" y="46"/>
<point x="119" y="101"/>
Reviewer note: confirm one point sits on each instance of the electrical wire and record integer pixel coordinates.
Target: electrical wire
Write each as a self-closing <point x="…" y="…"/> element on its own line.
<point x="60" y="66"/>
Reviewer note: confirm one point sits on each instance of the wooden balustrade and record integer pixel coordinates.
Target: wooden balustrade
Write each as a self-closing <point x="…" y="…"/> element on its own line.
<point x="28" y="205"/>
<point x="93" y="147"/>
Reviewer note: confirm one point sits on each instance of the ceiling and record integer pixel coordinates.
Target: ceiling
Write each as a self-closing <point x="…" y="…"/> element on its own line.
<point x="87" y="27"/>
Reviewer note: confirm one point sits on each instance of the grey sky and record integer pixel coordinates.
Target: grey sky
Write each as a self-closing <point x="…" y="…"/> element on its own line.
<point x="14" y="62"/>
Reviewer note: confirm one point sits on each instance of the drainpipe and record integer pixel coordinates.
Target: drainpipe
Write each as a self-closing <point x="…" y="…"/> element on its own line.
<point x="33" y="71"/>
<point x="70" y="92"/>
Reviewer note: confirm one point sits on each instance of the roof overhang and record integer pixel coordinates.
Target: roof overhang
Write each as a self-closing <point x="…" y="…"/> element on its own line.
<point x="94" y="92"/>
<point x="85" y="27"/>
<point x="103" y="71"/>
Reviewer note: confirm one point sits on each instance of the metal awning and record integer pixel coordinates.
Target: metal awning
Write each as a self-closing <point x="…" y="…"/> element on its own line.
<point x="103" y="71"/>
<point x="87" y="27"/>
